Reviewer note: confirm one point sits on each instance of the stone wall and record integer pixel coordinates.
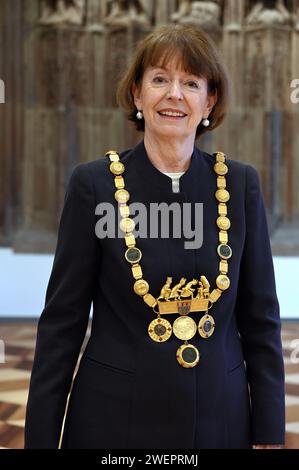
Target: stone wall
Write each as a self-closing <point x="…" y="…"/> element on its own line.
<point x="61" y="61"/>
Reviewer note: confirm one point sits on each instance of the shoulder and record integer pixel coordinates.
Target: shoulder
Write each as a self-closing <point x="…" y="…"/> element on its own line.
<point x="92" y="176"/>
<point x="98" y="167"/>
<point x="232" y="164"/>
<point x="85" y="171"/>
<point x="246" y="173"/>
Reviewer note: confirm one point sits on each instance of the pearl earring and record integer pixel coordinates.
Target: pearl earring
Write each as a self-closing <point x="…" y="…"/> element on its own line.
<point x="139" y="114"/>
<point x="205" y="122"/>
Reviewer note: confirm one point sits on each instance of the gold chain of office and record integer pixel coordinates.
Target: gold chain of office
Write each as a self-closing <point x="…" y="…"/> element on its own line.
<point x="183" y="297"/>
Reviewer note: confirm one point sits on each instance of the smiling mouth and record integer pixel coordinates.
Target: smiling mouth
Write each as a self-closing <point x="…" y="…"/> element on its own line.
<point x="171" y="117"/>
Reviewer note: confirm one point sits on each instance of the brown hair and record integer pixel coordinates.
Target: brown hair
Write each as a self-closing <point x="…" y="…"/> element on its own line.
<point x="198" y="55"/>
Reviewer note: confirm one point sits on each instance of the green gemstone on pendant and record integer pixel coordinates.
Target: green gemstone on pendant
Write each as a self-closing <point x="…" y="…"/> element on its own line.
<point x="224" y="251"/>
<point x="133" y="255"/>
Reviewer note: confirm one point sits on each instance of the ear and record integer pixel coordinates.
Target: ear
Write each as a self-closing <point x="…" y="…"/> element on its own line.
<point x="136" y="94"/>
<point x="211" y="101"/>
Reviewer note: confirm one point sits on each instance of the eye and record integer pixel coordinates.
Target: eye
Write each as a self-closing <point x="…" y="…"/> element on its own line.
<point x="193" y="84"/>
<point x="159" y="79"/>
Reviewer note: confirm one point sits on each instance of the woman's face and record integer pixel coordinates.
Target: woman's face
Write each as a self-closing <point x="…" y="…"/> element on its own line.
<point x="169" y="90"/>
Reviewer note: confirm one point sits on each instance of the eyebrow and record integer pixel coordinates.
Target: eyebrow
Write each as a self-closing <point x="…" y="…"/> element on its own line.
<point x="165" y="68"/>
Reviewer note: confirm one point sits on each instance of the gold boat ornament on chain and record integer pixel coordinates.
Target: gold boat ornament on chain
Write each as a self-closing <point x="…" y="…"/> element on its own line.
<point x="183" y="297"/>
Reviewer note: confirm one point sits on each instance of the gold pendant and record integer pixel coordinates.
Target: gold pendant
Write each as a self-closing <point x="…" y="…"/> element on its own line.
<point x="185" y="296"/>
<point x="159" y="330"/>
<point x="187" y="355"/>
<point x="184" y="328"/>
<point x="206" y="326"/>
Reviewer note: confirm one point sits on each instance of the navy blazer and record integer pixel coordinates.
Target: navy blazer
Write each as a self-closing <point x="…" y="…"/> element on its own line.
<point x="130" y="392"/>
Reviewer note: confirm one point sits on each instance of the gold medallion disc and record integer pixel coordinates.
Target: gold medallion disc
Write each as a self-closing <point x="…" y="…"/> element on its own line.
<point x="223" y="222"/>
<point x="222" y="282"/>
<point x="184" y="327"/>
<point x="117" y="168"/>
<point x="220" y="168"/>
<point x="141" y="287"/>
<point x="122" y="195"/>
<point x="187" y="355"/>
<point x="222" y="195"/>
<point x="159" y="330"/>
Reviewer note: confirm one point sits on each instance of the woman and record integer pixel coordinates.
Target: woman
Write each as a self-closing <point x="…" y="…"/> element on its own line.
<point x="185" y="347"/>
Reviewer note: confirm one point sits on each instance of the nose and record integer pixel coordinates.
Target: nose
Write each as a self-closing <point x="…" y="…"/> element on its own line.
<point x="175" y="90"/>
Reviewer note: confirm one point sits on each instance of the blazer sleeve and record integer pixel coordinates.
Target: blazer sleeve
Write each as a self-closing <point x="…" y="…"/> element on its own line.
<point x="63" y="322"/>
<point x="259" y="321"/>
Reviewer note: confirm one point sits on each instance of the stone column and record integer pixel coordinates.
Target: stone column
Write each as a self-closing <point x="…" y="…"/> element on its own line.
<point x="62" y="87"/>
<point x="127" y="24"/>
<point x="266" y="86"/>
<point x="292" y="126"/>
<point x="233" y="49"/>
<point x="164" y="11"/>
<point x="11" y="118"/>
<point x="233" y="46"/>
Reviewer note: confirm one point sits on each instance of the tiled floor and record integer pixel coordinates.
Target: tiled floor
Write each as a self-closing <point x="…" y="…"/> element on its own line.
<point x="19" y="341"/>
